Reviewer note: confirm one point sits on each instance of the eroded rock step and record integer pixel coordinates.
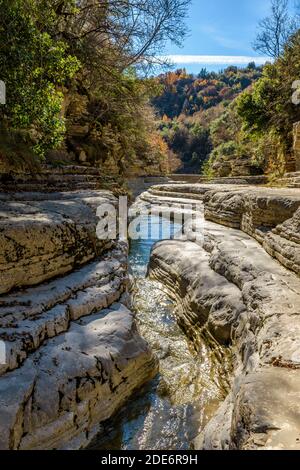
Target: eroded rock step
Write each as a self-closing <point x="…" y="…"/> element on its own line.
<point x="291" y="180"/>
<point x="231" y="291"/>
<point x="52" y="178"/>
<point x="166" y="199"/>
<point x="42" y="237"/>
<point x="194" y="192"/>
<point x="74" y="355"/>
<point x="30" y="317"/>
<point x="270" y="215"/>
<point x="74" y="382"/>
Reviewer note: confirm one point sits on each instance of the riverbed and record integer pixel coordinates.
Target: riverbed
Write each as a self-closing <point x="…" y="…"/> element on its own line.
<point x="171" y="410"/>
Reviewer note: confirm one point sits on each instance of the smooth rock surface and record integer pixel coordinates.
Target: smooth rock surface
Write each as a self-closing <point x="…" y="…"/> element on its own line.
<point x="270" y="215"/>
<point x="229" y="290"/>
<point x="73" y="351"/>
<point x="42" y="239"/>
<point x="80" y="378"/>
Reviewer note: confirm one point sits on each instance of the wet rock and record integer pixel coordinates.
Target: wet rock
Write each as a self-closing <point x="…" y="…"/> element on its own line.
<point x="73" y="351"/>
<point x="270" y="215"/>
<point x="204" y="298"/>
<point x="254" y="305"/>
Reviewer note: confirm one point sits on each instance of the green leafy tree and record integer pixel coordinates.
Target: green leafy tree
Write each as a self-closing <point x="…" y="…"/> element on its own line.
<point x="35" y="68"/>
<point x="268" y="106"/>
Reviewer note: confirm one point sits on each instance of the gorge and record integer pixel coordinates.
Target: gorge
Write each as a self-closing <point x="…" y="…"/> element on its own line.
<point x="217" y="318"/>
<point x="171" y="325"/>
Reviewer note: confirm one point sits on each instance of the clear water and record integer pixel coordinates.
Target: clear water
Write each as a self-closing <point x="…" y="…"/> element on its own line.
<point x="169" y="412"/>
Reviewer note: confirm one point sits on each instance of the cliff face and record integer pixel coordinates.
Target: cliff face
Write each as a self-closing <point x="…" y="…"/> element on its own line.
<point x="92" y="140"/>
<point x="229" y="289"/>
<point x="225" y="166"/>
<point x="73" y="352"/>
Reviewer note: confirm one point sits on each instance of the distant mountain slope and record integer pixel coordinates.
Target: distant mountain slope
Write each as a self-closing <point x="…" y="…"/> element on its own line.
<point x="189" y="104"/>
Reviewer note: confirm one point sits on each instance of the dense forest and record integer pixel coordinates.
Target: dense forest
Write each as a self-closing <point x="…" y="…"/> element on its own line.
<point x="258" y="127"/>
<point x="83" y="86"/>
<point x="75" y="79"/>
<point x="189" y="106"/>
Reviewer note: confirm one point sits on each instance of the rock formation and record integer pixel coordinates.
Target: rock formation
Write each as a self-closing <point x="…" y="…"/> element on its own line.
<point x="73" y="352"/>
<point x="268" y="215"/>
<point x="229" y="290"/>
<point x="296" y="146"/>
<point x="48" y="178"/>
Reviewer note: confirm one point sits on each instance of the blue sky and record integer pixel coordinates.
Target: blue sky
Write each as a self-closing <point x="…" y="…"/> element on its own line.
<point x="220" y="28"/>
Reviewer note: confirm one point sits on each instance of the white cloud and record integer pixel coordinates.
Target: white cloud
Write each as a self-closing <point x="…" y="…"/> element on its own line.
<point x="216" y="59"/>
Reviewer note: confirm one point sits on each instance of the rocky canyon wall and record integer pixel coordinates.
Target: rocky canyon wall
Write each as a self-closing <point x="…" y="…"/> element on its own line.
<point x="73" y="352"/>
<point x="233" y="293"/>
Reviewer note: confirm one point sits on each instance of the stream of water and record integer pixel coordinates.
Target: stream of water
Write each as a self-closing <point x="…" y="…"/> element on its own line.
<point x="169" y="412"/>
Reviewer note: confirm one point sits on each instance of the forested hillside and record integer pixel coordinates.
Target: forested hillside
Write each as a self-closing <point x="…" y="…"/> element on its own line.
<point x="239" y="121"/>
<point x="82" y="87"/>
<point x="256" y="131"/>
<point x="186" y="94"/>
<point x="189" y="106"/>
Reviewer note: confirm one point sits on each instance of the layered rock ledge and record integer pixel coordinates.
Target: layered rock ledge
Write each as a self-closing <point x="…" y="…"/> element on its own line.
<point x="73" y="352"/>
<point x="46" y="236"/>
<point x="230" y="291"/>
<point x="270" y="215"/>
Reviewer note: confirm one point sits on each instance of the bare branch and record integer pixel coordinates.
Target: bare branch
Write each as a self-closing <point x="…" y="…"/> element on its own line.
<point x="276" y="29"/>
<point x="137" y="29"/>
